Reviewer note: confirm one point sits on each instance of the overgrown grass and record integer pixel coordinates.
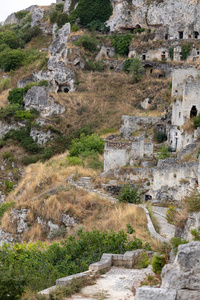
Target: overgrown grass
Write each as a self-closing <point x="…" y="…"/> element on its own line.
<point x="153" y="218"/>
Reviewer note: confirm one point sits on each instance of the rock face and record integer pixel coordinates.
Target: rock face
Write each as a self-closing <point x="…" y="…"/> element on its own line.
<point x="193" y="222"/>
<point x="58" y="47"/>
<point x="40" y="136"/>
<point x="180" y="280"/>
<point x="177" y="19"/>
<point x="5" y="127"/>
<point x="12" y="19"/>
<point x="38" y="97"/>
<point x="37" y="16"/>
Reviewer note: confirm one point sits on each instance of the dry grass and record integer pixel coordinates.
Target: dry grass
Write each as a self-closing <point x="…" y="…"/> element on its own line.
<point x="188" y="127"/>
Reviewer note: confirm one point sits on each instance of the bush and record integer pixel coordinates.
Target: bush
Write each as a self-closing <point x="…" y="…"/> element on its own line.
<point x="21" y="14"/>
<point x="59" y="7"/>
<point x="175" y="242"/>
<point x="5" y="207"/>
<point x="53" y="16"/>
<point x="74" y="161"/>
<point x="86" y="145"/>
<point x="75" y="28"/>
<point x="92" y="10"/>
<point x="93" y="66"/>
<point x="160" y="136"/>
<point x="16" y="96"/>
<point x="9" y="111"/>
<point x="27" y="159"/>
<point x="8" y="186"/>
<point x="196" y="121"/>
<point x="10" y="38"/>
<point x="164" y="153"/>
<point x="171" y="52"/>
<point x="171" y="213"/>
<point x="129" y="193"/>
<point x="88" y="42"/>
<point x="23" y="115"/>
<point x="196" y="234"/>
<point x="158" y="263"/>
<point x="185" y="49"/>
<point x="193" y="202"/>
<point x="5" y="84"/>
<point x="62" y="19"/>
<point x="121" y="43"/>
<point x="11" y="60"/>
<point x="135" y="68"/>
<point x="98" y="26"/>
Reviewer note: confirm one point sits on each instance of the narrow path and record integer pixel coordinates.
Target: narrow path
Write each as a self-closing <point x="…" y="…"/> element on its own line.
<point x="166" y="230"/>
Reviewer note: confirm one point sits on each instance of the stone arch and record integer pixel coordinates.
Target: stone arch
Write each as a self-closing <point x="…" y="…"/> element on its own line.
<point x="193" y="112"/>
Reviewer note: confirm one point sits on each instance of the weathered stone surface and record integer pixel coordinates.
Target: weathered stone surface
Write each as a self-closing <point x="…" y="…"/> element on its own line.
<point x="193" y="222"/>
<point x="5" y="127"/>
<point x="67" y="6"/>
<point x="18" y="216"/>
<point x="11" y="19"/>
<point x="37" y="16"/>
<point x="184" y="273"/>
<point x="24" y="81"/>
<point x="148" y="293"/>
<point x="58" y="47"/>
<point x="188" y="295"/>
<point x="68" y="221"/>
<point x="40" y="136"/>
<point x="37" y="97"/>
<point x="5" y="237"/>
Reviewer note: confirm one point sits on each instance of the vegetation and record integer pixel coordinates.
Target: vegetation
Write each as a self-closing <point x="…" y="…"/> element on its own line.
<point x="5" y="207"/>
<point x="171" y="214"/>
<point x="136" y="69"/>
<point x="11" y="60"/>
<point x="158" y="263"/>
<point x="129" y="193"/>
<point x="121" y="43"/>
<point x="88" y="42"/>
<point x="193" y="202"/>
<point x="164" y="153"/>
<point x="175" y="242"/>
<point x="196" y="121"/>
<point x="185" y="49"/>
<point x="39" y="265"/>
<point x="160" y="136"/>
<point x="92" y="10"/>
<point x="86" y="145"/>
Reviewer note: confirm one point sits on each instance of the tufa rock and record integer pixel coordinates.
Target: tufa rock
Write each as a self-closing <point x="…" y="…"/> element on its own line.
<point x="58" y="47"/>
<point x="37" y="16"/>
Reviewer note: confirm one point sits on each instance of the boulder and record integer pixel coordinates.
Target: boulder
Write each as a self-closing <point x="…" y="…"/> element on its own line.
<point x="58" y="47"/>
<point x="37" y="16"/>
<point x="184" y="273"/>
<point x="38" y="97"/>
<point x="148" y="293"/>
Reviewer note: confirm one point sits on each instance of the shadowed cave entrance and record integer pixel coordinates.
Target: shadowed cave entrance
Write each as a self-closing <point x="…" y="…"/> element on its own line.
<point x="193" y="112"/>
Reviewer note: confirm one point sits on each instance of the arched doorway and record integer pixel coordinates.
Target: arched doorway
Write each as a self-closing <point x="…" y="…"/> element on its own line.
<point x="193" y="112"/>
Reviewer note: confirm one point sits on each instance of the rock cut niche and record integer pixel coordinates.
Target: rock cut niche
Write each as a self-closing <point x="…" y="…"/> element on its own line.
<point x="63" y="89"/>
<point x="193" y="112"/>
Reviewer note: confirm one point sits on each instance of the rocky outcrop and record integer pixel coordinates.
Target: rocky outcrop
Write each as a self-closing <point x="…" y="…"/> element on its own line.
<point x="171" y="16"/>
<point x="38" y="97"/>
<point x="40" y="136"/>
<point x="12" y="19"/>
<point x="67" y="6"/>
<point x="5" y="237"/>
<point x="180" y="280"/>
<point x="5" y="127"/>
<point x="193" y="222"/>
<point x="37" y="16"/>
<point x="58" y="47"/>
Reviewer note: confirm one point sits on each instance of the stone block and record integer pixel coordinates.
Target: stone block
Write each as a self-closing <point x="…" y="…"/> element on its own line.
<point x="147" y="293"/>
<point x="188" y="295"/>
<point x="68" y="280"/>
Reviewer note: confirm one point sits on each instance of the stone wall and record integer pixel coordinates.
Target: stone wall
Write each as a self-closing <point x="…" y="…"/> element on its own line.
<point x="130" y="124"/>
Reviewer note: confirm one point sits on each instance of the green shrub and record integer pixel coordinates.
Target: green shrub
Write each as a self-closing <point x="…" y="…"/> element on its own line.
<point x="92" y="10"/>
<point x="98" y="26"/>
<point x="175" y="242"/>
<point x="196" y="234"/>
<point x="21" y="14"/>
<point x="11" y="60"/>
<point x="59" y="7"/>
<point x="75" y="28"/>
<point x="135" y="68"/>
<point x="9" y="111"/>
<point x="171" y="53"/>
<point x="158" y="263"/>
<point x="2" y="143"/>
<point x="4" y="47"/>
<point x="8" y="155"/>
<point x="160" y="136"/>
<point x="5" y="84"/>
<point x="144" y="261"/>
<point x="28" y="159"/>
<point x="86" y="145"/>
<point x="88" y="42"/>
<point x="121" y="43"/>
<point x="196" y="121"/>
<point x="48" y="153"/>
<point x="129" y="193"/>
<point x="5" y="207"/>
<point x="185" y="49"/>
<point x="164" y="153"/>
<point x="8" y="186"/>
<point x="93" y="66"/>
<point x="62" y="19"/>
<point x="23" y="115"/>
<point x="53" y="16"/>
<point x="10" y="38"/>
<point x="94" y="163"/>
<point x="171" y="213"/>
<point x="74" y="161"/>
<point x="16" y="96"/>
<point x="193" y="202"/>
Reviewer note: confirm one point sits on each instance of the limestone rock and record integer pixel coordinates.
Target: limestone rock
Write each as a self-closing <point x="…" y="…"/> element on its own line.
<point x="38" y="97"/>
<point x="40" y="136"/>
<point x="37" y="16"/>
<point x="193" y="222"/>
<point x="188" y="295"/>
<point x="19" y="216"/>
<point x="105" y="52"/>
<point x="52" y="228"/>
<point x="5" y="127"/>
<point x="67" y="220"/>
<point x="5" y="237"/>
<point x="148" y="293"/>
<point x="184" y="273"/>
<point x="58" y="47"/>
<point x="11" y="19"/>
<point x="24" y="81"/>
<point x="67" y="6"/>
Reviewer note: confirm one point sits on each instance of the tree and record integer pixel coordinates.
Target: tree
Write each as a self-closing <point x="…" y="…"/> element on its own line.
<point x="136" y="69"/>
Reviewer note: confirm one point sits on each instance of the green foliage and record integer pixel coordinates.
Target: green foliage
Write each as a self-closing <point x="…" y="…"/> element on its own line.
<point x="8" y="155"/>
<point x="164" y="153"/>
<point x="16" y="96"/>
<point x="196" y="234"/>
<point x="171" y="213"/>
<point x="75" y="28"/>
<point x="129" y="228"/>
<point x="53" y="16"/>
<point x="171" y="52"/>
<point x="94" y="163"/>
<point x="23" y="115"/>
<point x="9" y="38"/>
<point x="152" y="216"/>
<point x="74" y="161"/>
<point x="62" y="19"/>
<point x="98" y="26"/>
<point x="9" y="111"/>
<point x="175" y="242"/>
<point x="11" y="60"/>
<point x="8" y="186"/>
<point x="193" y="202"/>
<point x="144" y="261"/>
<point x="5" y="84"/>
<point x="93" y="66"/>
<point x="12" y="283"/>
<point x="129" y="193"/>
<point x="21" y="14"/>
<point x="92" y="10"/>
<point x="160" y="136"/>
<point x="196" y="121"/>
<point x="42" y="264"/>
<point x="136" y="69"/>
<point x="88" y="42"/>
<point x="185" y="49"/>
<point x="86" y="145"/>
<point x="158" y="263"/>
<point x="5" y="207"/>
<point x="121" y="43"/>
<point x="59" y="7"/>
